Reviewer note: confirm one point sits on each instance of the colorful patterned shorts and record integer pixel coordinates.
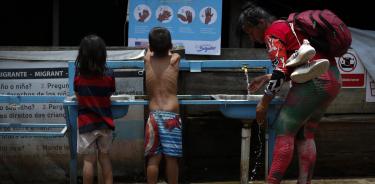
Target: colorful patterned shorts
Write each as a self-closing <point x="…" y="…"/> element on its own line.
<point x="163" y="134"/>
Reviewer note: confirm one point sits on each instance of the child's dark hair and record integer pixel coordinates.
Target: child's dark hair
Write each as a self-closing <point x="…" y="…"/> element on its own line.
<point x="160" y="41"/>
<point x="92" y="56"/>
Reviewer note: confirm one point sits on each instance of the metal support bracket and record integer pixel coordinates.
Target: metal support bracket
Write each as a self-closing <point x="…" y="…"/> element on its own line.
<point x="196" y="66"/>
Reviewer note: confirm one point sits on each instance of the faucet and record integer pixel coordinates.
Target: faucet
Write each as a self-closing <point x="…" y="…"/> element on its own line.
<point x="244" y="68"/>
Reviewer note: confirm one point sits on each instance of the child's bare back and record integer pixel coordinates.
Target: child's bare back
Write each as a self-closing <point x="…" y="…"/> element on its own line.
<point x="161" y="81"/>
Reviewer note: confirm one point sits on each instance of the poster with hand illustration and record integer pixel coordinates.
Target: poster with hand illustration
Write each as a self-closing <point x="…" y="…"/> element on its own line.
<point x="194" y="25"/>
<point x="208" y="15"/>
<point x="186" y="14"/>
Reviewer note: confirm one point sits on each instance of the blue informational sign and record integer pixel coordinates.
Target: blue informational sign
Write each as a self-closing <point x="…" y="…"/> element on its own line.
<point x="194" y="24"/>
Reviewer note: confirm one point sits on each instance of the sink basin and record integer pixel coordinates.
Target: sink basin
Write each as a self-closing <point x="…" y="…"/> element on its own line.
<point x="254" y="98"/>
<point x="244" y="106"/>
<point x="118" y="111"/>
<point x="122" y="97"/>
<point x="146" y="97"/>
<point x="232" y="106"/>
<point x="113" y="97"/>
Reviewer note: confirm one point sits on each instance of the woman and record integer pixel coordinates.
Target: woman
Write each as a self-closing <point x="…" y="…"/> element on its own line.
<point x="305" y="103"/>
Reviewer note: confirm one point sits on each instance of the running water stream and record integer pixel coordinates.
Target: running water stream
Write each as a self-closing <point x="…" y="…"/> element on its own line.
<point x="259" y="149"/>
<point x="247" y="80"/>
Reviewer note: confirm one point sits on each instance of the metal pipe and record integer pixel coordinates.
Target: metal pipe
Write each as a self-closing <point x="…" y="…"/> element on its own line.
<point x="245" y="152"/>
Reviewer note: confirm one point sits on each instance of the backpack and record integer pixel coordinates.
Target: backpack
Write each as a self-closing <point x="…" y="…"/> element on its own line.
<point x="325" y="31"/>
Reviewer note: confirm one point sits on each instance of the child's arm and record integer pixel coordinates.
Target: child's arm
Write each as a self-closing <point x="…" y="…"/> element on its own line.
<point x="147" y="56"/>
<point x="175" y="59"/>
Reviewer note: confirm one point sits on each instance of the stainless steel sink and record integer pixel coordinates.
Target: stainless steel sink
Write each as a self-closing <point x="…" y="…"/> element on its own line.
<point x="118" y="111"/>
<point x="146" y="97"/>
<point x="244" y="106"/>
<point x="122" y="97"/>
<point x="232" y="106"/>
<point x="238" y="97"/>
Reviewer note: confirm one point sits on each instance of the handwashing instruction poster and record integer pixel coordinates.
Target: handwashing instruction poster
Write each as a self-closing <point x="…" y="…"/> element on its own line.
<point x="194" y="25"/>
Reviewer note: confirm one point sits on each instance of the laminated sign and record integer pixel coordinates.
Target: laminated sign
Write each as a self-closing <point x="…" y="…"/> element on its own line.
<point x="351" y="69"/>
<point x="370" y="89"/>
<point x="194" y="25"/>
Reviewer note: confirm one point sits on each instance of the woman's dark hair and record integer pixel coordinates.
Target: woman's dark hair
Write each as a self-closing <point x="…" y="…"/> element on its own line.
<point x="251" y="14"/>
<point x="160" y="41"/>
<point x="92" y="56"/>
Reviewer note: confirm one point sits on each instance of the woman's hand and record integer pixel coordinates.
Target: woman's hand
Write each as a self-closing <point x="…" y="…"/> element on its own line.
<point x="258" y="82"/>
<point x="261" y="109"/>
<point x="261" y="113"/>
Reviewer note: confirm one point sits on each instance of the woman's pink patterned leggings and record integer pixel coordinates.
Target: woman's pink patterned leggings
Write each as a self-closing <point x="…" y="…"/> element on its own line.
<point x="297" y="122"/>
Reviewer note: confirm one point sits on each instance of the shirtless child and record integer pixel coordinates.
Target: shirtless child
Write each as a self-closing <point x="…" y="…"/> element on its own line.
<point x="163" y="131"/>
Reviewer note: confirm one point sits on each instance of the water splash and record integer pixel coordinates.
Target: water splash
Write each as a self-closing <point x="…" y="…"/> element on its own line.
<point x="259" y="150"/>
<point x="258" y="155"/>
